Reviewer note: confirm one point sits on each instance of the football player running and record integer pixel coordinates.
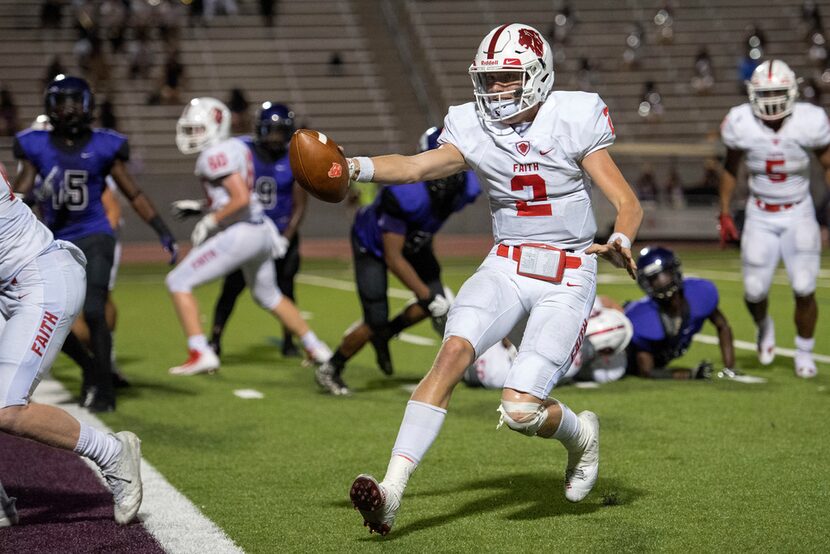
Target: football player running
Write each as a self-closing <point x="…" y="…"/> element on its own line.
<point x="283" y="202"/>
<point x="73" y="160"/>
<point x="776" y="135"/>
<point x="42" y="287"/>
<point x="668" y="318"/>
<point x="235" y="234"/>
<point x="536" y="152"/>
<point x="395" y="233"/>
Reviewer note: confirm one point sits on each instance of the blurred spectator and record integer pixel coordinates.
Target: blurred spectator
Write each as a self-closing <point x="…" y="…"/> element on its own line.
<point x="112" y="23"/>
<point x="586" y="78"/>
<point x="170" y="17"/>
<point x="86" y="18"/>
<point x="754" y="41"/>
<point x="651" y="103"/>
<point x="706" y="193"/>
<point x="335" y="64"/>
<point x="54" y="69"/>
<point x="633" y="45"/>
<point x="704" y="78"/>
<point x="171" y="81"/>
<point x="267" y="8"/>
<point x="646" y="184"/>
<point x="8" y="113"/>
<point x="139" y="55"/>
<point x="811" y="19"/>
<point x="811" y="92"/>
<point x="674" y="188"/>
<point x="93" y="61"/>
<point x="664" y="23"/>
<point x="51" y="14"/>
<point x="106" y="115"/>
<point x="227" y="7"/>
<point x="817" y="52"/>
<point x="563" y="23"/>
<point x="240" y="118"/>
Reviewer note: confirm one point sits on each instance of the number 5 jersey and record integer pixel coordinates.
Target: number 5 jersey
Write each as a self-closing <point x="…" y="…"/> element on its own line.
<point x="72" y="178"/>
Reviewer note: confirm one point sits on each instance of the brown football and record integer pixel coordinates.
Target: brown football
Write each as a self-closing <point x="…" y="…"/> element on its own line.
<point x="319" y="165"/>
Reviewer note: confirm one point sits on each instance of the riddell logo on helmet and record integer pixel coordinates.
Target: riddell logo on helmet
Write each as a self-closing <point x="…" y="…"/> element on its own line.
<point x="336" y="170"/>
<point x="531" y="40"/>
<point x="489" y="62"/>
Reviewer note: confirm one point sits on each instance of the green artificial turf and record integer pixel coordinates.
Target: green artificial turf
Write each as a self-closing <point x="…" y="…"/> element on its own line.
<point x="686" y="466"/>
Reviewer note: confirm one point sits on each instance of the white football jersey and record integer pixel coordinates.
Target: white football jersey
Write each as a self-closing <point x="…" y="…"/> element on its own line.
<point x="22" y="236"/>
<point x="219" y="161"/>
<point x="537" y="189"/>
<point x="778" y="162"/>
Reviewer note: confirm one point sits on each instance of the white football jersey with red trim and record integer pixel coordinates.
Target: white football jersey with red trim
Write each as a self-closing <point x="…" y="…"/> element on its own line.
<point x="219" y="161"/>
<point x="537" y="188"/>
<point x="778" y="162"/>
<point x="22" y="236"/>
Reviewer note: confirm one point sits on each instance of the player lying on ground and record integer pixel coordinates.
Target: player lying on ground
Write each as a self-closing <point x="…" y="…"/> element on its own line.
<point x="42" y="286"/>
<point x="533" y="151"/>
<point x="776" y="134"/>
<point x="395" y="233"/>
<point x="236" y="234"/>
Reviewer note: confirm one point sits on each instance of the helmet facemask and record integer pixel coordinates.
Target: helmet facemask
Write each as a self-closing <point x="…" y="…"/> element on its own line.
<point x="70" y="112"/>
<point x="506" y="104"/>
<point x="190" y="137"/>
<point x="771" y="104"/>
<point x="204" y="122"/>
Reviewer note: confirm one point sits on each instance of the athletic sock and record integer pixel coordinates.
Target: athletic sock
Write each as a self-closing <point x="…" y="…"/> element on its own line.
<point x="570" y="432"/>
<point x="338" y="360"/>
<point x="805" y="345"/>
<point x="99" y="447"/>
<point x="419" y="428"/>
<point x="310" y="340"/>
<point x="197" y="343"/>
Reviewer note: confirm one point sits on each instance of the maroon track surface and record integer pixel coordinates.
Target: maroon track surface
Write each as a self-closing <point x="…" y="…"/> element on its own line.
<point x="63" y="506"/>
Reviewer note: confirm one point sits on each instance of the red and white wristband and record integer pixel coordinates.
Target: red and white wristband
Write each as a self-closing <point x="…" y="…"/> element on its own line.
<point x="363" y="171"/>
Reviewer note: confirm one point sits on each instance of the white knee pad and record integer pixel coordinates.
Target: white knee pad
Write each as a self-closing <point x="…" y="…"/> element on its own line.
<point x="755" y="288"/>
<point x="266" y="297"/>
<point x="804" y="281"/>
<point x="177" y="281"/>
<point x="529" y="416"/>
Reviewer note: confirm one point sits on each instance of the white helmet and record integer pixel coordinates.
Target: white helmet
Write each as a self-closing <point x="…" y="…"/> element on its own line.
<point x="610" y="329"/>
<point x="772" y="90"/>
<point x="204" y="122"/>
<point x="515" y="48"/>
<point x="41" y="123"/>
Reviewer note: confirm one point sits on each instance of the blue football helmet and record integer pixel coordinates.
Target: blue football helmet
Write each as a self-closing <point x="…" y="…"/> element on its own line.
<point x="659" y="272"/>
<point x="70" y="105"/>
<point x="274" y="127"/>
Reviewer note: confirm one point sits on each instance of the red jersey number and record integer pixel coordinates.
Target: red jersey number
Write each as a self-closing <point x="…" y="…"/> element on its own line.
<point x="217" y="161"/>
<point x="537" y="205"/>
<point x="775" y="176"/>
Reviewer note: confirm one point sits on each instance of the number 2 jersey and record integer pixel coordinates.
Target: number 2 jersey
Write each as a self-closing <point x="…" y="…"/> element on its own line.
<point x="72" y="178"/>
<point x="778" y="162"/>
<point x="220" y="161"/>
<point x="538" y="191"/>
<point x="22" y="236"/>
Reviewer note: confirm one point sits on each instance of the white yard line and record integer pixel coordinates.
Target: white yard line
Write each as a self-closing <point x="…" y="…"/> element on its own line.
<point x="174" y="521"/>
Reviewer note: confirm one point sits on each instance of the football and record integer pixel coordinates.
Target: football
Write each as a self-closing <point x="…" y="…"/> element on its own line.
<point x="319" y="165"/>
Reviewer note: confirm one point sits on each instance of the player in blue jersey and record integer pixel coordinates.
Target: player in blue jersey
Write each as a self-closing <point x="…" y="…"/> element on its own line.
<point x="673" y="312"/>
<point x="73" y="160"/>
<point x="395" y="233"/>
<point x="283" y="202"/>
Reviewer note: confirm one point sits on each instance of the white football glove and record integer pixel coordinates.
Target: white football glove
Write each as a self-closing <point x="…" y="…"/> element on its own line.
<point x="182" y="209"/>
<point x="204" y="228"/>
<point x="438" y="306"/>
<point x="279" y="246"/>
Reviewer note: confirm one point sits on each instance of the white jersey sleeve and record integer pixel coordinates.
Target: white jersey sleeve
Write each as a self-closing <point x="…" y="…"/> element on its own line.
<point x="730" y="128"/>
<point x="596" y="130"/>
<point x="815" y="126"/>
<point x="22" y="236"/>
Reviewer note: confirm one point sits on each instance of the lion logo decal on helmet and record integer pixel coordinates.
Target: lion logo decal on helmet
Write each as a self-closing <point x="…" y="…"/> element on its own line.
<point x="531" y="40"/>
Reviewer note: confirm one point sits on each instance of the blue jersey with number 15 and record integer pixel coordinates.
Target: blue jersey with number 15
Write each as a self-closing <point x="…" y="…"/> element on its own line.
<point x="72" y="178"/>
<point x="274" y="186"/>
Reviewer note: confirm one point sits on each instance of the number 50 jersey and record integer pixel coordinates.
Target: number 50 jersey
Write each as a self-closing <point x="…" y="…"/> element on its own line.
<point x="72" y="178"/>
<point x="537" y="188"/>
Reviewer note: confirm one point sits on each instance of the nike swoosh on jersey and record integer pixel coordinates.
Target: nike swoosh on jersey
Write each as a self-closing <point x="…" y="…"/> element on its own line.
<point x="573" y="284"/>
<point x="545" y="152"/>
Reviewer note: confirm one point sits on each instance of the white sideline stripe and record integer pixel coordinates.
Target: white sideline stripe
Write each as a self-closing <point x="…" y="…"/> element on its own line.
<point x="339" y="284"/>
<point x="248" y="394"/>
<point x="745" y="345"/>
<point x="174" y="521"/>
<point x="417" y="339"/>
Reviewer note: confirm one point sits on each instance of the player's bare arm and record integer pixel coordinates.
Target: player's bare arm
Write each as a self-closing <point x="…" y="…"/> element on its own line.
<point x="300" y="197"/>
<point x="239" y="197"/>
<point x="728" y="182"/>
<point x="823" y="156"/>
<point x="25" y="178"/>
<point x="396" y="168"/>
<point x="393" y="244"/>
<point x="605" y="173"/>
<point x="727" y="349"/>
